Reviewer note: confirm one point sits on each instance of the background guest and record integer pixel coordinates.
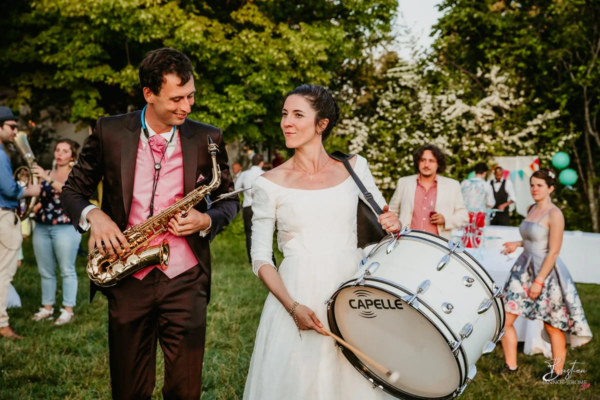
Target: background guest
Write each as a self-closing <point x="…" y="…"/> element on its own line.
<point x="504" y="195"/>
<point x="477" y="199"/>
<point x="427" y="201"/>
<point x="10" y="226"/>
<point x="245" y="182"/>
<point x="277" y="158"/>
<point x="236" y="169"/>
<point x="539" y="285"/>
<point x="54" y="239"/>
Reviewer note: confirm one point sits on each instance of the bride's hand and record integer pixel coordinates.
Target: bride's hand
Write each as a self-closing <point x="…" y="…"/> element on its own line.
<point x="389" y="221"/>
<point x="307" y="319"/>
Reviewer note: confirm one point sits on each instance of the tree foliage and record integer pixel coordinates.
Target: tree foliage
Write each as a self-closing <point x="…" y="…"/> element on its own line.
<point x="554" y="47"/>
<point x="423" y="105"/>
<point x="83" y="55"/>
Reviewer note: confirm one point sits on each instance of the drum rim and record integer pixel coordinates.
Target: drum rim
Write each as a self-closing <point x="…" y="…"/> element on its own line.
<point x="366" y="371"/>
<point x="499" y="304"/>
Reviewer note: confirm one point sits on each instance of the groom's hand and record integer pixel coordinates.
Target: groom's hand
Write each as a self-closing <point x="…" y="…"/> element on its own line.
<point x="194" y="222"/>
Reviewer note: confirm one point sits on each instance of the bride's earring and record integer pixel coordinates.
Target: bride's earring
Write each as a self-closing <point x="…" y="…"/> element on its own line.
<point x="72" y="163"/>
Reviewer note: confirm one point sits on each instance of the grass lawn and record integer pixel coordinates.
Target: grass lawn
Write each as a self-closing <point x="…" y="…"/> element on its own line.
<point x="71" y="362"/>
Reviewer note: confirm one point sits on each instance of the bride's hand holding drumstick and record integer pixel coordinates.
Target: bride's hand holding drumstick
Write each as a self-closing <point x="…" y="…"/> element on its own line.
<point x="307" y="319"/>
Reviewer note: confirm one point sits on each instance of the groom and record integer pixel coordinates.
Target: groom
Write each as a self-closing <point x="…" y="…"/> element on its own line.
<point x="154" y="305"/>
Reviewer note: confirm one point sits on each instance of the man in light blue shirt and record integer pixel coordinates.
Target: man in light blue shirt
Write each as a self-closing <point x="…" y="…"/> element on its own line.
<point x="10" y="225"/>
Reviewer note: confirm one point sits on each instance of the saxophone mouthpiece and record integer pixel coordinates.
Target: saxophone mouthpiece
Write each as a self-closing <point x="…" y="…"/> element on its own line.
<point x="213" y="149"/>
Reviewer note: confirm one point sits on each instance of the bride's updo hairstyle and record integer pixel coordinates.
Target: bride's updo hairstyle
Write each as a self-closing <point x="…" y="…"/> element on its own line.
<point x="322" y="103"/>
<point x="546" y="175"/>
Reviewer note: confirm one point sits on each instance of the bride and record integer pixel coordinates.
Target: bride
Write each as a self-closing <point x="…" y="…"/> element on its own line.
<point x="313" y="202"/>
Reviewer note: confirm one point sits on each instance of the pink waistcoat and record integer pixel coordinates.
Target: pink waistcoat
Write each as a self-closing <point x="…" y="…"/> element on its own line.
<point x="168" y="190"/>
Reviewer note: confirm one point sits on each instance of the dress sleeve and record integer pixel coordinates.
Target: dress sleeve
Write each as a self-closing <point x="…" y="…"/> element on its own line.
<point x="364" y="173"/>
<point x="264" y="209"/>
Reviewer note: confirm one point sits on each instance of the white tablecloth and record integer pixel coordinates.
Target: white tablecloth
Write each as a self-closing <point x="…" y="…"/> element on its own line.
<point x="580" y="252"/>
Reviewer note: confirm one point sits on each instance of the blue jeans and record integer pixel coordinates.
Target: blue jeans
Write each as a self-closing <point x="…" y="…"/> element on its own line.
<point x="52" y="244"/>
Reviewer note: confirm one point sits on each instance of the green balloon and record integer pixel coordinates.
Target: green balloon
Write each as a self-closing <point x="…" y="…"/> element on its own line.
<point x="471" y="175"/>
<point x="568" y="177"/>
<point x="561" y="160"/>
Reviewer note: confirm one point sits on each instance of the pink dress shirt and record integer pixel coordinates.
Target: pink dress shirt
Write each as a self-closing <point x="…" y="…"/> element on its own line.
<point x="424" y="204"/>
<point x="168" y="190"/>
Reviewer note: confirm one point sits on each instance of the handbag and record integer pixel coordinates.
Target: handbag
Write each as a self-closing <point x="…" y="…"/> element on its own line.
<point x="369" y="230"/>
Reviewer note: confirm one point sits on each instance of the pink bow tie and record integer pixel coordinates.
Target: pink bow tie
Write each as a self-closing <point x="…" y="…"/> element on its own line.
<point x="157" y="144"/>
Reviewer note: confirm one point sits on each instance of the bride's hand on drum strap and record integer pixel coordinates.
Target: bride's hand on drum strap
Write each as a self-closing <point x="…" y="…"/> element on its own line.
<point x="307" y="320"/>
<point x="389" y="221"/>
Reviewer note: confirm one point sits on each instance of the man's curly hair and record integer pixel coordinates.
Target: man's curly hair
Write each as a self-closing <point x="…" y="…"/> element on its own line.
<point x="438" y="154"/>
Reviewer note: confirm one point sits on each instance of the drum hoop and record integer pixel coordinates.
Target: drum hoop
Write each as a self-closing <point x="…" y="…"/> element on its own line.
<point x="364" y="370"/>
<point x="498" y="303"/>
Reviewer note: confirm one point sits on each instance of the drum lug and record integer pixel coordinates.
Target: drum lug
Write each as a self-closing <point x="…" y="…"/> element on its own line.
<point x="454" y="248"/>
<point x="464" y="333"/>
<point x="363" y="262"/>
<point x="370" y="270"/>
<point x="420" y="290"/>
<point x="489" y="347"/>
<point x="328" y="304"/>
<point x="484" y="306"/>
<point x="447" y="307"/>
<point x="468" y="281"/>
<point x="392" y="245"/>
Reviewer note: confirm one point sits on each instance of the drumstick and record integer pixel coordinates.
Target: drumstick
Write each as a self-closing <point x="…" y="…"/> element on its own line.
<point x="393" y="376"/>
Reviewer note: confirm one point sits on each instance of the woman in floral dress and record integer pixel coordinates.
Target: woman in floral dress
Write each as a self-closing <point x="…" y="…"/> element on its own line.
<point x="539" y="285"/>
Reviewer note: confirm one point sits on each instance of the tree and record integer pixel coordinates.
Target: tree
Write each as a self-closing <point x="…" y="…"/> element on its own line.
<point x="82" y="56"/>
<point x="554" y="46"/>
<point x="422" y="105"/>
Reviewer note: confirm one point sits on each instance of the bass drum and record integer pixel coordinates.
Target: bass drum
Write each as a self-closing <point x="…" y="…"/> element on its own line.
<point x="422" y="306"/>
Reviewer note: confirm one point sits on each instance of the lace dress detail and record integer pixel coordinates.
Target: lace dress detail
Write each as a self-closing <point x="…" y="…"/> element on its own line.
<point x="317" y="235"/>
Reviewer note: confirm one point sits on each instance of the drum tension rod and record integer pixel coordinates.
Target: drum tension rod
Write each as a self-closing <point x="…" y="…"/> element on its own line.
<point x="396" y="239"/>
<point x="464" y="333"/>
<point x="420" y="290"/>
<point x="470" y="377"/>
<point x="454" y="248"/>
<point x="497" y="292"/>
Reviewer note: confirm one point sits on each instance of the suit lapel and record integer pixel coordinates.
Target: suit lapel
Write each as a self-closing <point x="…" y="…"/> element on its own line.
<point x="411" y="195"/>
<point x="129" y="146"/>
<point x="441" y="191"/>
<point x="189" y="152"/>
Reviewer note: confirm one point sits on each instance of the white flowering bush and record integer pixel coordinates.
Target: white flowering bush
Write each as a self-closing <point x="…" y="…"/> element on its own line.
<point x="420" y="106"/>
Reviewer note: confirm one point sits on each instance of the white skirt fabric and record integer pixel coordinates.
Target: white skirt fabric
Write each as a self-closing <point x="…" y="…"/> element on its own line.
<point x="285" y="366"/>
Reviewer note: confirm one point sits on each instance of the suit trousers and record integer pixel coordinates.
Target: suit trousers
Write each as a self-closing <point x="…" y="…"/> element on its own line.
<point x="10" y="243"/>
<point x="171" y="312"/>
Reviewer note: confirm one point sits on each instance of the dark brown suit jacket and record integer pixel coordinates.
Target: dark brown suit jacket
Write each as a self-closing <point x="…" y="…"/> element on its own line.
<point x="110" y="153"/>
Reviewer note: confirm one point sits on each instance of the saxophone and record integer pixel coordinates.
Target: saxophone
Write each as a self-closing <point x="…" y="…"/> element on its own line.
<point x="22" y="145"/>
<point x="108" y="271"/>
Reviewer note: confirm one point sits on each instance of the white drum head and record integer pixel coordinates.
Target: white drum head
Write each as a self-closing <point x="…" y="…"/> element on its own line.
<point x="398" y="337"/>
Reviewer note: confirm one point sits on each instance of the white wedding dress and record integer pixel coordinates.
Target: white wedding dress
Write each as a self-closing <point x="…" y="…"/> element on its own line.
<point x="317" y="235"/>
